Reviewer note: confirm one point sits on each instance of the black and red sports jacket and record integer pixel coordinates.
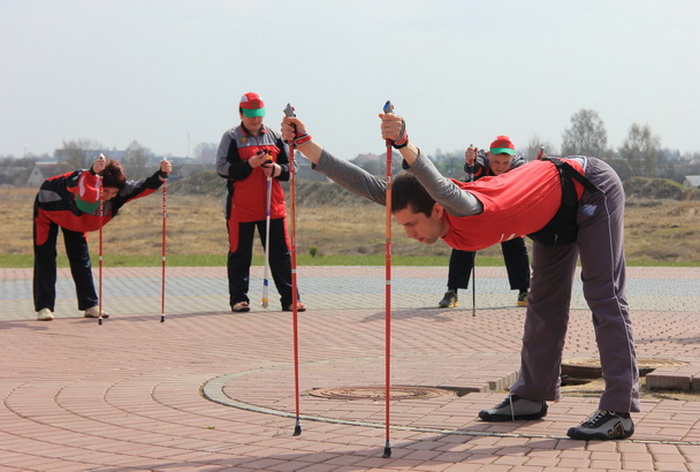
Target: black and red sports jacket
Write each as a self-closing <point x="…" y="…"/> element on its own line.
<point x="71" y="201"/>
<point x="247" y="187"/>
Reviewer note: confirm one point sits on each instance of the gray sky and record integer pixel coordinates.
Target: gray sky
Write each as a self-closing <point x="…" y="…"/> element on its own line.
<point x="170" y="73"/>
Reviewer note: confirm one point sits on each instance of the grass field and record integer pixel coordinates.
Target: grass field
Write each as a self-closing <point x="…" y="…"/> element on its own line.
<point x="658" y="232"/>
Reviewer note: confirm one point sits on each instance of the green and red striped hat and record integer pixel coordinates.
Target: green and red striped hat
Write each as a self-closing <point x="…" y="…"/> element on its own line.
<point x="502" y="145"/>
<point x="252" y="105"/>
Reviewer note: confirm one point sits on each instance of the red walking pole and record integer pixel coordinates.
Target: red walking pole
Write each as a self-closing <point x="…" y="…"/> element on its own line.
<point x="289" y="111"/>
<point x="164" y="252"/>
<point x="470" y="173"/>
<point x="99" y="271"/>
<point x="388" y="108"/>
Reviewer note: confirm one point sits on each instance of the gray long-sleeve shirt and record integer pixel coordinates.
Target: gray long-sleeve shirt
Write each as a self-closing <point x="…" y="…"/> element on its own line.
<point x="454" y="199"/>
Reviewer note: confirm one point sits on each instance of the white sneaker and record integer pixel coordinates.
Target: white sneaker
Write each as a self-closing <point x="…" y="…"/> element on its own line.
<point x="44" y="315"/>
<point x="94" y="312"/>
<point x="603" y="425"/>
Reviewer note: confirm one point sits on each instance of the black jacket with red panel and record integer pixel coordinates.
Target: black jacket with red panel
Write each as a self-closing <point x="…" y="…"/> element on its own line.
<point x="482" y="168"/>
<point x="71" y="201"/>
<point x="247" y="187"/>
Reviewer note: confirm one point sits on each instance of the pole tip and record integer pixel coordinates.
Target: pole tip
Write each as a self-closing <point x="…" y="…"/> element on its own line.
<point x="297" y="430"/>
<point x="387" y="452"/>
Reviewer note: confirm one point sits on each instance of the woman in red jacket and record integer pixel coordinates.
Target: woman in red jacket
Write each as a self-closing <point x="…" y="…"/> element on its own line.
<point x="71" y="202"/>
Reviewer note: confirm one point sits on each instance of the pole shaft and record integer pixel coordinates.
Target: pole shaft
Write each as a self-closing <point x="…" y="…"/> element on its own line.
<point x="266" y="270"/>
<point x="99" y="277"/>
<point x="293" y="240"/>
<point x="387" y="289"/>
<point x="163" y="253"/>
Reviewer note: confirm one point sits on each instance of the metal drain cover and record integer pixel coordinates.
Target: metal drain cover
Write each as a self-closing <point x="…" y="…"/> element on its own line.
<point x="398" y="392"/>
<point x="590" y="368"/>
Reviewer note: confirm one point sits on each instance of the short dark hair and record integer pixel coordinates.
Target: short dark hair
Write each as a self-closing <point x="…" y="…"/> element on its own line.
<point x="113" y="176"/>
<point x="407" y="192"/>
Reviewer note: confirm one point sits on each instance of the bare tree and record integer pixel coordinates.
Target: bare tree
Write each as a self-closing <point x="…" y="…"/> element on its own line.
<point x="136" y="160"/>
<point x="586" y="136"/>
<point x="451" y="164"/>
<point x="77" y="154"/>
<point x="533" y="148"/>
<point x="641" y="150"/>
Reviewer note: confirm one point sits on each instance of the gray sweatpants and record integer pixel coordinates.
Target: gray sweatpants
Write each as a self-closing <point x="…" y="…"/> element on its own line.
<point x="600" y="244"/>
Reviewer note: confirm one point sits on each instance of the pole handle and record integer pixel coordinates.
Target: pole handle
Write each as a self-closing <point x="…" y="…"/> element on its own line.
<point x="388" y="108"/>
<point x="541" y="154"/>
<point x="289" y="111"/>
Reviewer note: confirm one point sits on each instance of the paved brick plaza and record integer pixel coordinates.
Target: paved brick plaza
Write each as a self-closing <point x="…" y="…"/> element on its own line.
<point x="211" y="391"/>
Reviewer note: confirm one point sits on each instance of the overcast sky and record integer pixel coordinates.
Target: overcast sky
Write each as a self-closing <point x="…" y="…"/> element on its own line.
<point x="170" y="73"/>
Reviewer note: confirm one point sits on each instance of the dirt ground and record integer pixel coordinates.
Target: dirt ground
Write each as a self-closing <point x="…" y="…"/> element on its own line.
<point x="595" y="388"/>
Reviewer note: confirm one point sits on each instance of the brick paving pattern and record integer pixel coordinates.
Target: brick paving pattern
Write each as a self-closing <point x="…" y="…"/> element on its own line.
<point x="209" y="390"/>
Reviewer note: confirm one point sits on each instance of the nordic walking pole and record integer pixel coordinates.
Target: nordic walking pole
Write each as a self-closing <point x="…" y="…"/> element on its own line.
<point x="470" y="174"/>
<point x="474" y="286"/>
<point x="388" y="108"/>
<point x="99" y="271"/>
<point x="289" y="111"/>
<point x="541" y="154"/>
<point x="266" y="280"/>
<point x="163" y="253"/>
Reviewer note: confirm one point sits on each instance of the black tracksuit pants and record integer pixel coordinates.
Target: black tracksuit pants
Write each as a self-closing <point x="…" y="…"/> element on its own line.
<point x="514" y="255"/>
<point x="45" y="269"/>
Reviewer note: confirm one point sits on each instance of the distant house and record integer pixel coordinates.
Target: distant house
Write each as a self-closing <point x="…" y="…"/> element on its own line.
<point x="692" y="181"/>
<point x="13" y="176"/>
<point x="42" y="171"/>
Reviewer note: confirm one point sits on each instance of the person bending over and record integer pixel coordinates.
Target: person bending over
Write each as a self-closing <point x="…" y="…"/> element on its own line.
<point x="573" y="208"/>
<point x="71" y="202"/>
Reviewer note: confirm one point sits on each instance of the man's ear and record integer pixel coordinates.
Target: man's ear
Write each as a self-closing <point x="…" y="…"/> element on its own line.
<point x="438" y="210"/>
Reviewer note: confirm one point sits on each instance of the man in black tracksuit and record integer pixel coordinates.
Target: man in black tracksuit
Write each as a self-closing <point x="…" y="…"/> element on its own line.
<point x="500" y="158"/>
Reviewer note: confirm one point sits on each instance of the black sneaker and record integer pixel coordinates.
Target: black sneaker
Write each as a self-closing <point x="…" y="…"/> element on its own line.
<point x="449" y="300"/>
<point x="515" y="408"/>
<point x="603" y="425"/>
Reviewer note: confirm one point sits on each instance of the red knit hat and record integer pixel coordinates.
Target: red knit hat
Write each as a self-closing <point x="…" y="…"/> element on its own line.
<point x="252" y="105"/>
<point x="502" y="145"/>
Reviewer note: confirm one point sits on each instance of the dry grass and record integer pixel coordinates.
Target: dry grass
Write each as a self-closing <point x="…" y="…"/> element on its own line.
<point x="662" y="231"/>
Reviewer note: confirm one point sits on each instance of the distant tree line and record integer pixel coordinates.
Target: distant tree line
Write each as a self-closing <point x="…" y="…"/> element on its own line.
<point x="81" y="153"/>
<point x="640" y="155"/>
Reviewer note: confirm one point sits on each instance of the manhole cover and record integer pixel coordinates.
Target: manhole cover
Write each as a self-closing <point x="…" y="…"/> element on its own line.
<point x="590" y="368"/>
<point x="398" y="392"/>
